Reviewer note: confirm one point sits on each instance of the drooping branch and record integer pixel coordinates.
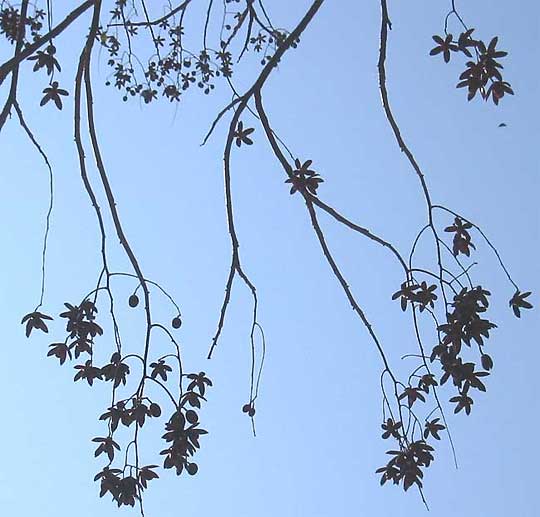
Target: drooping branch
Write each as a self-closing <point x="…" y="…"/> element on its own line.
<point x="310" y="201"/>
<point x="274" y="144"/>
<point x="385" y="26"/>
<point x="242" y="103"/>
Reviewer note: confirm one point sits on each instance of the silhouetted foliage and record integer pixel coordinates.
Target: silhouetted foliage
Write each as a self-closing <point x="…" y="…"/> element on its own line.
<point x="149" y="59"/>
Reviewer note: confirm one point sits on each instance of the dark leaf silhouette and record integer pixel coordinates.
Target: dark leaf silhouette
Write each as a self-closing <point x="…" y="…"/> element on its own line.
<point x="106" y="445"/>
<point x="115" y="371"/>
<point x="303" y="178"/>
<point x="35" y="320"/>
<point x="160" y="369"/>
<point x="241" y="134"/>
<point x="54" y="93"/>
<point x="391" y="428"/>
<point x="60" y="350"/>
<point x="412" y="395"/>
<point x="406" y="465"/>
<point x="463" y="402"/>
<point x="406" y="294"/>
<point x="199" y="381"/>
<point x="88" y="372"/>
<point x="462" y="239"/>
<point x="433" y="427"/>
<point x="147" y="474"/>
<point x="444" y="46"/>
<point x="518" y="302"/>
<point x="426" y="381"/>
<point x="45" y="59"/>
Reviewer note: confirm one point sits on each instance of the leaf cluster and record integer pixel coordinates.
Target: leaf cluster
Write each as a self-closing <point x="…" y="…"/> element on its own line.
<point x="406" y="464"/>
<point x="483" y="73"/>
<point x="421" y="294"/>
<point x="303" y="178"/>
<point x="10" y="20"/>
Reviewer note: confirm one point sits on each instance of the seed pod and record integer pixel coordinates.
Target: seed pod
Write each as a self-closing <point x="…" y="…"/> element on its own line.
<point x="133" y="300"/>
<point x="155" y="410"/>
<point x="176" y="322"/>
<point x="487" y="362"/>
<point x="191" y="416"/>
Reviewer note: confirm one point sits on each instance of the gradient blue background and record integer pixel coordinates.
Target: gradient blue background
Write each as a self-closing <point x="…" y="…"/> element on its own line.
<point x="318" y="415"/>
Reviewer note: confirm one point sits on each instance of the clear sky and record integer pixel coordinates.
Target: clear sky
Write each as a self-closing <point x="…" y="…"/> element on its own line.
<point x="319" y="411"/>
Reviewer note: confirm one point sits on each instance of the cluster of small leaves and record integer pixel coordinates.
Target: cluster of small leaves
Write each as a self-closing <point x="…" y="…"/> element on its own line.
<point x="183" y="432"/>
<point x="267" y="41"/>
<point x="82" y="329"/>
<point x="127" y="411"/>
<point x="483" y="72"/>
<point x="464" y="325"/>
<point x="46" y="60"/>
<point x="171" y="70"/>
<point x="125" y="490"/>
<point x="304" y="179"/>
<point x="462" y="238"/>
<point x="414" y="454"/>
<point x="407" y="463"/>
<point x="182" y="429"/>
<point x="170" y="75"/>
<point x="421" y="294"/>
<point x="10" y="19"/>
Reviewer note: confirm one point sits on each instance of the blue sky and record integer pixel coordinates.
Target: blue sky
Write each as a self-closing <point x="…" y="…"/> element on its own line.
<point x="319" y="411"/>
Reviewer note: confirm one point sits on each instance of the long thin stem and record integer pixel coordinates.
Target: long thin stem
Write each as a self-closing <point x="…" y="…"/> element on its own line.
<point x="51" y="197"/>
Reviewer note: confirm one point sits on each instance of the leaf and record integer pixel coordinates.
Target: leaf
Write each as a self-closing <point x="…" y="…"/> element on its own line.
<point x="54" y="93"/>
<point x="59" y="350"/>
<point x="35" y="320"/>
<point x="518" y="302"/>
